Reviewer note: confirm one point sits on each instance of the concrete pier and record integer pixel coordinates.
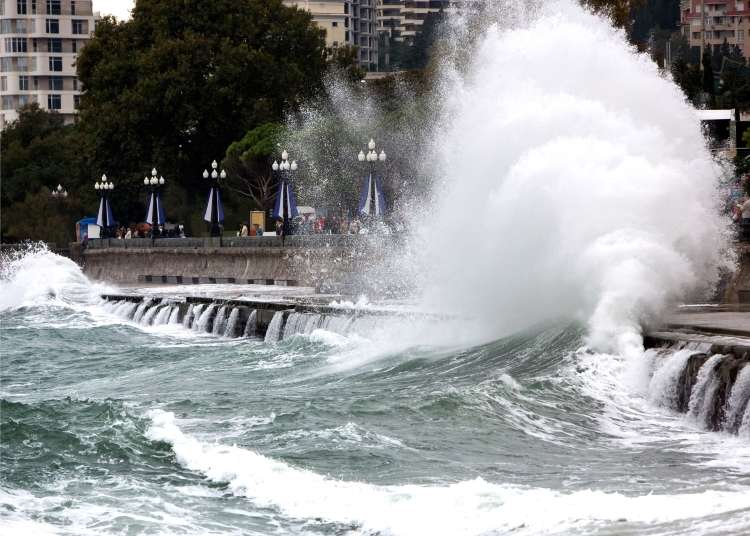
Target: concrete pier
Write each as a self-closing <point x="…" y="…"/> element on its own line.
<point x="722" y="331"/>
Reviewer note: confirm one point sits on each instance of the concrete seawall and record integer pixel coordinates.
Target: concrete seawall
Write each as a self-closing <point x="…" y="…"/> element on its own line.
<point x="320" y="261"/>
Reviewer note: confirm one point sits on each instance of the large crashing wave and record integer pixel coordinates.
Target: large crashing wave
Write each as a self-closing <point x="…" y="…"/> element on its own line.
<point x="582" y="175"/>
<point x="34" y="276"/>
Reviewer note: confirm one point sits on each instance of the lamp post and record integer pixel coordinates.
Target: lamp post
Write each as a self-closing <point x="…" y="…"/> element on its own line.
<point x="59" y="192"/>
<point x="371" y="201"/>
<point x="104" y="218"/>
<point x="214" y="214"/>
<point x="155" y="214"/>
<point x="286" y="204"/>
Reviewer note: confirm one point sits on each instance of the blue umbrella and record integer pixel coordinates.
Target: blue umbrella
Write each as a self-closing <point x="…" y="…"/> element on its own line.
<point x="155" y="210"/>
<point x="286" y="203"/>
<point x="104" y="218"/>
<point x="214" y="209"/>
<point x="372" y="198"/>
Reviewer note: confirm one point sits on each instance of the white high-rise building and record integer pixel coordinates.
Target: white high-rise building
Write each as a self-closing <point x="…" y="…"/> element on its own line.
<point x="347" y="22"/>
<point x="39" y="43"/>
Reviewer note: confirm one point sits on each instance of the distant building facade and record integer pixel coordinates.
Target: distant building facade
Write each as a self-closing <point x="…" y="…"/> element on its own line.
<point x="39" y="43"/>
<point x="711" y="22"/>
<point x="403" y="19"/>
<point x="347" y="22"/>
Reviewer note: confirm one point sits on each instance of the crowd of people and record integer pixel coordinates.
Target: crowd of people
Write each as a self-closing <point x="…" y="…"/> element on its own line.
<point x="144" y="230"/>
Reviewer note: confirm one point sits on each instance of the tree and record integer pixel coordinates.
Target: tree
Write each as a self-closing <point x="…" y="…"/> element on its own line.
<point x="175" y="85"/>
<point x="343" y="62"/>
<point x="248" y="164"/>
<point x="619" y="11"/>
<point x="38" y="153"/>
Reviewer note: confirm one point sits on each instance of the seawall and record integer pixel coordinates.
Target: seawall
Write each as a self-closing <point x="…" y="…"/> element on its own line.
<point x="320" y="261"/>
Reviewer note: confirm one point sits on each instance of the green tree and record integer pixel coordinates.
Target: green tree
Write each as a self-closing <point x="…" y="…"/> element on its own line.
<point x="619" y="11"/>
<point x="248" y="164"/>
<point x="708" y="73"/>
<point x="175" y="85"/>
<point x="38" y="154"/>
<point x="343" y="62"/>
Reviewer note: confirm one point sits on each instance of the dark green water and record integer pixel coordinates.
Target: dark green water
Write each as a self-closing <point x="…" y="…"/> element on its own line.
<point x="108" y="427"/>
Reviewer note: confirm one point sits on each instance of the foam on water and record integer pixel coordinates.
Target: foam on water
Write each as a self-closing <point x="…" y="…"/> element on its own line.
<point x="468" y="507"/>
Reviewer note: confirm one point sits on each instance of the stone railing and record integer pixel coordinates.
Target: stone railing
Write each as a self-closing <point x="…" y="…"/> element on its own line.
<point x="294" y="241"/>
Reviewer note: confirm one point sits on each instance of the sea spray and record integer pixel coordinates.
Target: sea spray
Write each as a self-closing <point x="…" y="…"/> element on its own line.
<point x="32" y="275"/>
<point x="585" y="177"/>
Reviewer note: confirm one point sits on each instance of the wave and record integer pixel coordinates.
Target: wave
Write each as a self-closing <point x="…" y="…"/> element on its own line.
<point x="585" y="201"/>
<point x="467" y="507"/>
<point x="34" y="276"/>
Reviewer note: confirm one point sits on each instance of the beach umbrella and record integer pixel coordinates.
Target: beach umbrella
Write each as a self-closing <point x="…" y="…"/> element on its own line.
<point x="214" y="209"/>
<point x="372" y="198"/>
<point x="286" y="202"/>
<point x="155" y="214"/>
<point x="104" y="218"/>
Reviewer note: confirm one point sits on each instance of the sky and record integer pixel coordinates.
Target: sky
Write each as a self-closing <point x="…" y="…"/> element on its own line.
<point x="118" y="8"/>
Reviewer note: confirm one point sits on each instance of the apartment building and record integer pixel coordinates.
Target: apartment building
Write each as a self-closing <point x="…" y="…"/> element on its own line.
<point x="711" y="22"/>
<point x="39" y="43"/>
<point x="347" y="22"/>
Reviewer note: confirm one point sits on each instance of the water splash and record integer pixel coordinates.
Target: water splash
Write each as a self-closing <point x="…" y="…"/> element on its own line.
<point x="34" y="276"/>
<point x="583" y="201"/>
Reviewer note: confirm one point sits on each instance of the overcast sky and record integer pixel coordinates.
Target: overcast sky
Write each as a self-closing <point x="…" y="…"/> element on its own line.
<point x="118" y="8"/>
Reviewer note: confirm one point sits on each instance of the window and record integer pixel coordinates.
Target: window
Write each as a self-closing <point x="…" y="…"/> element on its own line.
<point x="74" y="46"/>
<point x="54" y="45"/>
<point x="334" y="24"/>
<point x="55" y="83"/>
<point x="76" y="101"/>
<point x="54" y="102"/>
<point x="75" y="84"/>
<point x="23" y="100"/>
<point x="7" y="102"/>
<point x="16" y="44"/>
<point x="36" y="82"/>
<point x="3" y="83"/>
<point x="21" y="7"/>
<point x="72" y="7"/>
<point x="55" y="63"/>
<point x="53" y="26"/>
<point x="78" y="27"/>
<point x="35" y="45"/>
<point x="23" y="83"/>
<point x="53" y="7"/>
<point x="33" y="6"/>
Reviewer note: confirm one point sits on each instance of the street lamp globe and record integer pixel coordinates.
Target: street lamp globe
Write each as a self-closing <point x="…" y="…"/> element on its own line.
<point x="284" y="155"/>
<point x="59" y="187"/>
<point x="361" y="156"/>
<point x="161" y="180"/>
<point x="145" y="181"/>
<point x="371" y="145"/>
<point x="223" y="174"/>
<point x="214" y="165"/>
<point x="205" y="173"/>
<point x="153" y="172"/>
<point x="382" y="156"/>
<point x="104" y="177"/>
<point x="111" y="186"/>
<point x="214" y="173"/>
<point x="294" y="165"/>
<point x="96" y="185"/>
<point x="275" y="166"/>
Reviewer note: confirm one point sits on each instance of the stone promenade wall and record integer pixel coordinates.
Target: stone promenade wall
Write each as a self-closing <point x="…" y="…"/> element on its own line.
<point x="314" y="260"/>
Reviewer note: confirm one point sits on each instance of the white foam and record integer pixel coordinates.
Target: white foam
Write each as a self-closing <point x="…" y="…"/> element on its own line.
<point x="462" y="508"/>
<point x="583" y="201"/>
<point x="36" y="277"/>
